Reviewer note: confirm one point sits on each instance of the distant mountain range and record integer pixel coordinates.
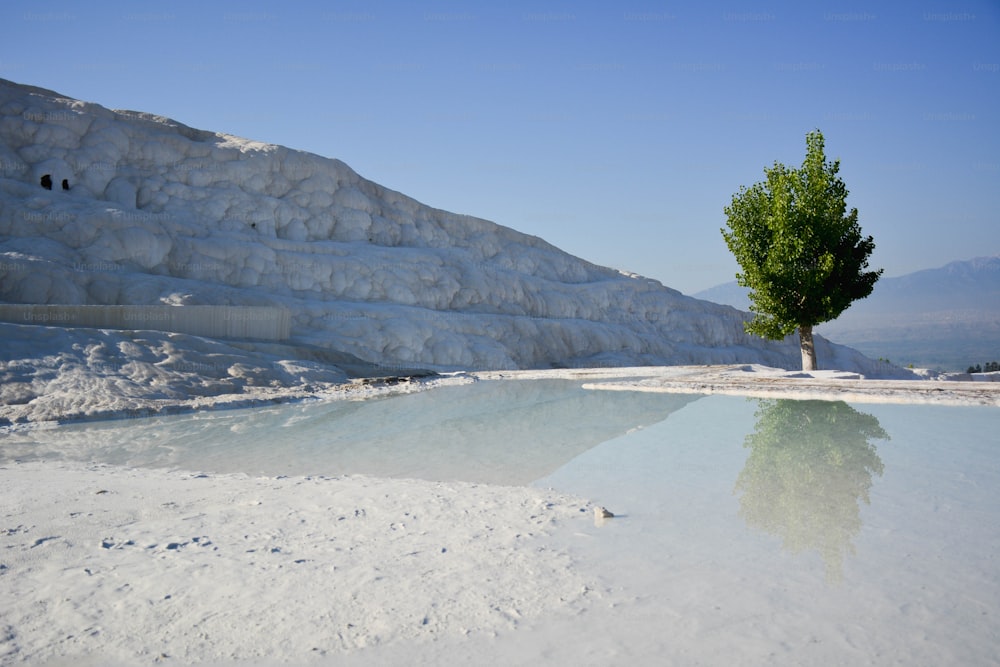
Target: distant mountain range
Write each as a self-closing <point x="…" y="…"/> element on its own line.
<point x="946" y="318"/>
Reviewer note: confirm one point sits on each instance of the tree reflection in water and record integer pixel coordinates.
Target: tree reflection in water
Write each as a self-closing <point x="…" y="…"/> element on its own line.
<point x="810" y="463"/>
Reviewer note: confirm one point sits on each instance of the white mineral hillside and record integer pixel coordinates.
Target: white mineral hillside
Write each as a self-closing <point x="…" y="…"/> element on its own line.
<point x="101" y="207"/>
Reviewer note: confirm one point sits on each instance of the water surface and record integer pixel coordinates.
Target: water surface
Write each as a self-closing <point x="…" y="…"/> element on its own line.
<point x="510" y="432"/>
<point x="797" y="532"/>
<point x="748" y="531"/>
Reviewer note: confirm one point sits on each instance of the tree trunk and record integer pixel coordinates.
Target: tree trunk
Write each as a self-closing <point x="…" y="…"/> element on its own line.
<point x="808" y="350"/>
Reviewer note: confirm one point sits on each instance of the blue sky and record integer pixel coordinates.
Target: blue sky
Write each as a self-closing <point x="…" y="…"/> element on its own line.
<point x="616" y="130"/>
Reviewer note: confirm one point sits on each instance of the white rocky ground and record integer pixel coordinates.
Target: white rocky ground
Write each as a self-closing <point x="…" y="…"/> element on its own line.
<point x="65" y="374"/>
<point x="762" y="382"/>
<point x="130" y="567"/>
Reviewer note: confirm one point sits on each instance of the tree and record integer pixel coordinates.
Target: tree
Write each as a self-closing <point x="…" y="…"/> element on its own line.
<point x="802" y="254"/>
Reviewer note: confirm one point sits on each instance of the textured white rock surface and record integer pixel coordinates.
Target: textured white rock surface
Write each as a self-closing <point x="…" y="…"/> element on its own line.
<point x="142" y="567"/>
<point x="160" y="213"/>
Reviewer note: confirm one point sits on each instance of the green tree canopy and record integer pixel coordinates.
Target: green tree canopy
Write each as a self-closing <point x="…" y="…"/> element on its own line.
<point x="801" y="252"/>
